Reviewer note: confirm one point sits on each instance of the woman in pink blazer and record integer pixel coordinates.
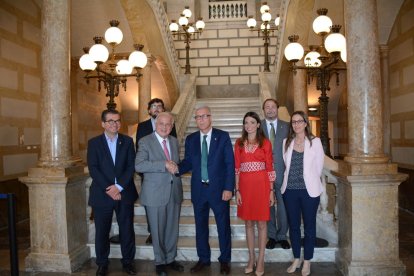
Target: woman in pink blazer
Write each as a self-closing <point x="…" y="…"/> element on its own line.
<point x="303" y="155"/>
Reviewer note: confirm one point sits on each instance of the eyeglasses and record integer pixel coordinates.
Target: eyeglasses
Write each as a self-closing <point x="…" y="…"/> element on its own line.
<point x="199" y="117"/>
<point x="157" y="106"/>
<point x="298" y="122"/>
<point x="113" y="122"/>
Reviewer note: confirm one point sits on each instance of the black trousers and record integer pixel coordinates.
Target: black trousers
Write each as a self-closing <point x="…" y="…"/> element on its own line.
<point x="103" y="222"/>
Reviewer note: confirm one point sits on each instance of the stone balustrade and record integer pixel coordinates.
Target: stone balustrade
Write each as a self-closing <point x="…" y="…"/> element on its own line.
<point x="227" y="10"/>
<point x="326" y="221"/>
<point x="183" y="108"/>
<point x="168" y="41"/>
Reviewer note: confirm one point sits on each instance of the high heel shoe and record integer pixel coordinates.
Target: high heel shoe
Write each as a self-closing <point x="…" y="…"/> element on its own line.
<point x="306" y="268"/>
<point x="259" y="273"/>
<point x="295" y="265"/>
<point x="248" y="270"/>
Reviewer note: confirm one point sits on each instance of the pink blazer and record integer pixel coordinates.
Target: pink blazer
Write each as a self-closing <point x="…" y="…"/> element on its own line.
<point x="312" y="166"/>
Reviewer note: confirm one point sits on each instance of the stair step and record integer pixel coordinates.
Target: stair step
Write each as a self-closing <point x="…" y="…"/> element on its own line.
<point x="228" y="100"/>
<point x="186" y="209"/>
<point x="187" y="251"/>
<point x="187" y="226"/>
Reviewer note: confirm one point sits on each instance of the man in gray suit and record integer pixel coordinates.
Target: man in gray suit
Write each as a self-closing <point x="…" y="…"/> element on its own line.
<point x="161" y="191"/>
<point x="276" y="130"/>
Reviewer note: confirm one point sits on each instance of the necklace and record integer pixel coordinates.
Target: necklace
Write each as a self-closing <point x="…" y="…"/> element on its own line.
<point x="300" y="146"/>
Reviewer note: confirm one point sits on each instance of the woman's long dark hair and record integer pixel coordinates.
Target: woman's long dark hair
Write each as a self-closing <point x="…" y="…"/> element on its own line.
<point x="260" y="136"/>
<point x="292" y="134"/>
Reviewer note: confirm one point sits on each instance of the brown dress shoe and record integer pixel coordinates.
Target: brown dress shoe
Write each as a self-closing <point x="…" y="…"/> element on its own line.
<point x="225" y="268"/>
<point x="199" y="266"/>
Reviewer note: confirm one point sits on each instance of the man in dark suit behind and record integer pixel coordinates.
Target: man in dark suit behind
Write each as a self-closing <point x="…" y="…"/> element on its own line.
<point x="155" y="107"/>
<point x="276" y="130"/>
<point x="212" y="186"/>
<point x="111" y="159"/>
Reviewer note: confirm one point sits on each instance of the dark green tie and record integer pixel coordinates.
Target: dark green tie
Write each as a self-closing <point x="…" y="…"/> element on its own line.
<point x="272" y="135"/>
<point x="204" y="155"/>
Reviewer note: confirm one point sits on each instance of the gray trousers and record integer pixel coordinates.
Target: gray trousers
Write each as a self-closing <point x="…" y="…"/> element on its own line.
<point x="278" y="226"/>
<point x="164" y="221"/>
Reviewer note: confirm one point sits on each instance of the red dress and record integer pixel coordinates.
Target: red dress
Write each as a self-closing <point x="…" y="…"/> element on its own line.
<point x="256" y="173"/>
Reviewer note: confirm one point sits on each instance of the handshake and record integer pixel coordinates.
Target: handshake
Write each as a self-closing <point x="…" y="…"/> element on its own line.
<point x="171" y="167"/>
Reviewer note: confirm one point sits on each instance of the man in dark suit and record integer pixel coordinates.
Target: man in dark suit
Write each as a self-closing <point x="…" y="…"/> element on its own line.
<point x="155" y="106"/>
<point x="276" y="130"/>
<point x="111" y="158"/>
<point x="161" y="191"/>
<point x="209" y="156"/>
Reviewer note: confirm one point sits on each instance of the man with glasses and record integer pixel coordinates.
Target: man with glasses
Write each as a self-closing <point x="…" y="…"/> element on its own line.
<point x="209" y="156"/>
<point x="155" y="107"/>
<point x="276" y="130"/>
<point x="111" y="159"/>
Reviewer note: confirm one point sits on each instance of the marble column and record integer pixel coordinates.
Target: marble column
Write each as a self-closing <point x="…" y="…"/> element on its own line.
<point x="300" y="92"/>
<point x="58" y="232"/>
<point x="386" y="105"/>
<point x="145" y="90"/>
<point x="368" y="183"/>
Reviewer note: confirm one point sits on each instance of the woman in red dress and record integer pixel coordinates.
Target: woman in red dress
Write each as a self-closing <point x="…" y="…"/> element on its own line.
<point x="254" y="185"/>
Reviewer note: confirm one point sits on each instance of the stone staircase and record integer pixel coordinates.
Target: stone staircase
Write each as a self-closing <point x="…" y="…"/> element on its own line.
<point x="227" y="114"/>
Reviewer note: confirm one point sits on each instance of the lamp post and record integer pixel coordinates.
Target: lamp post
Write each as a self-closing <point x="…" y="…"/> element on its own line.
<point x="265" y="30"/>
<point x="321" y="62"/>
<point x="108" y="72"/>
<point x="187" y="32"/>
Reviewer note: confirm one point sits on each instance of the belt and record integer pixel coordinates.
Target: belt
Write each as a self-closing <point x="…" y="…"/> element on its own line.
<point x="204" y="183"/>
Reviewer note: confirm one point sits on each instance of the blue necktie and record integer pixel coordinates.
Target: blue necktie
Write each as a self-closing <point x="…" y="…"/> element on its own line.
<point x="204" y="155"/>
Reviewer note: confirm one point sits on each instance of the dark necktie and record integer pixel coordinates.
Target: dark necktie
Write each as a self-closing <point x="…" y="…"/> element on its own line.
<point x="204" y="155"/>
<point x="272" y="135"/>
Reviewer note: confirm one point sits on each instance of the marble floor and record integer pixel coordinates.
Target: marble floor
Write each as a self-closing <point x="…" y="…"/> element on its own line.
<point x="406" y="236"/>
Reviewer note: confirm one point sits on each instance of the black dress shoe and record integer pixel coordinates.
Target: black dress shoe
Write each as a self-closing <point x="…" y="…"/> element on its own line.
<point x="149" y="239"/>
<point x="224" y="268"/>
<point x="114" y="239"/>
<point x="199" y="266"/>
<point x="130" y="269"/>
<point x="160" y="270"/>
<point x="271" y="243"/>
<point x="102" y="270"/>
<point x="176" y="266"/>
<point x="285" y="244"/>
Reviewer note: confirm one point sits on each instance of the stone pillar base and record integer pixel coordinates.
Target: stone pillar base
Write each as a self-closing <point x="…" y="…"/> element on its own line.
<point x="355" y="268"/>
<point x="66" y="263"/>
<point x="368" y="219"/>
<point x="58" y="230"/>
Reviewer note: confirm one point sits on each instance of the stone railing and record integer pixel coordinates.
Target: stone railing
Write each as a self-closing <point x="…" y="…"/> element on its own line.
<point x="227" y="10"/>
<point x="183" y="108"/>
<point x="326" y="226"/>
<point x="167" y="38"/>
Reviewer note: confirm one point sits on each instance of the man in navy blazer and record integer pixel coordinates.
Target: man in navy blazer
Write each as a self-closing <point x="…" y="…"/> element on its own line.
<point x="212" y="193"/>
<point x="111" y="158"/>
<point x="155" y="107"/>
